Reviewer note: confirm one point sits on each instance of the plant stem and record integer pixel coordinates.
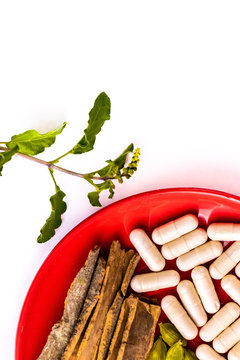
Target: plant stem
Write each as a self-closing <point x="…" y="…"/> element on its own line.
<point x="60" y="157"/>
<point x="51" y="173"/>
<point x="50" y="165"/>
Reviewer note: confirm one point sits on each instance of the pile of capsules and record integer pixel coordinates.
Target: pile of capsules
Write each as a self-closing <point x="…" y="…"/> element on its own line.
<point x="181" y="239"/>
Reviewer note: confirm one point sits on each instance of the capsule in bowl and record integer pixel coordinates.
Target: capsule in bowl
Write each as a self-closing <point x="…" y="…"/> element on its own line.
<point x="200" y="255"/>
<point x="155" y="281"/>
<point x="174" y="229"/>
<point x="184" y="243"/>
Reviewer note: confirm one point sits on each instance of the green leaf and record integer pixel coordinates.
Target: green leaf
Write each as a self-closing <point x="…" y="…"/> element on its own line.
<point x="94" y="195"/>
<point x="171" y="335"/>
<point x="94" y="198"/>
<point x="114" y="166"/>
<point x="190" y="355"/>
<point x="114" y="169"/>
<point x="158" y="350"/>
<point x="6" y="156"/>
<point x="176" y="352"/>
<point x="31" y="142"/>
<point x="97" y="117"/>
<point x="54" y="220"/>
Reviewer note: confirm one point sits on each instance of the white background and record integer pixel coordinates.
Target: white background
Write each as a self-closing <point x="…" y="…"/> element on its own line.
<point x="172" y="71"/>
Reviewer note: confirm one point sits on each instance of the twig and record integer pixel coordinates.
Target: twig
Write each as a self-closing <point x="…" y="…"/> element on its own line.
<point x="55" y="167"/>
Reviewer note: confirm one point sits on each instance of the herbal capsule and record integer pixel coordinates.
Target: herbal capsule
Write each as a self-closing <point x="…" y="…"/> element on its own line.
<point x="228" y="338"/>
<point x="199" y="255"/>
<point x="192" y="302"/>
<point x="231" y="285"/>
<point x="179" y="317"/>
<point x="155" y="281"/>
<point x="234" y="353"/>
<point x="237" y="270"/>
<point x="205" y="289"/>
<point x="219" y="322"/>
<point x="205" y="352"/>
<point x="147" y="250"/>
<point x="224" y="231"/>
<point x="226" y="262"/>
<point x="173" y="229"/>
<point x="184" y="244"/>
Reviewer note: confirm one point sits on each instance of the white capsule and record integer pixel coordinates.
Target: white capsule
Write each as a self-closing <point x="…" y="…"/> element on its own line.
<point x="237" y="270"/>
<point x="179" y="317"/>
<point x="226" y="262"/>
<point x="234" y="353"/>
<point x="205" y="289"/>
<point x="184" y="244"/>
<point x="224" y="231"/>
<point x="192" y="302"/>
<point x="205" y="352"/>
<point x="173" y="229"/>
<point x="228" y="338"/>
<point x="231" y="285"/>
<point x="199" y="255"/>
<point x="219" y="322"/>
<point x="155" y="281"/>
<point x="147" y="250"/>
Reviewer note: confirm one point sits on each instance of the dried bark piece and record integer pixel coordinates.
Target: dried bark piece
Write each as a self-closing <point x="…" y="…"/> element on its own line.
<point x="127" y="258"/>
<point x="111" y="285"/>
<point x="125" y="320"/>
<point x="79" y="287"/>
<point x="138" y="339"/>
<point x="148" y="300"/>
<point x="62" y="330"/>
<point x="89" y="304"/>
<point x="130" y="268"/>
<point x="130" y="262"/>
<point x="108" y="329"/>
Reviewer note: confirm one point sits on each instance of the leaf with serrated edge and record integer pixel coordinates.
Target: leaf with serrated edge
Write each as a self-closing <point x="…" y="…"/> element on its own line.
<point x="118" y="163"/>
<point x="97" y="117"/>
<point x="94" y="198"/>
<point x="54" y="221"/>
<point x="113" y="169"/>
<point x="32" y="142"/>
<point x="6" y="156"/>
<point x="114" y="165"/>
<point x="94" y="195"/>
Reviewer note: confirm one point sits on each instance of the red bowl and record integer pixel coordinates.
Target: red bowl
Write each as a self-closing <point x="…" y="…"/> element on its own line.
<point x="44" y="302"/>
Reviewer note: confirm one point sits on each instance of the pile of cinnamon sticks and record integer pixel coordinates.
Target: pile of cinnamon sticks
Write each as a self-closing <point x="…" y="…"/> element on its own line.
<point x="99" y="322"/>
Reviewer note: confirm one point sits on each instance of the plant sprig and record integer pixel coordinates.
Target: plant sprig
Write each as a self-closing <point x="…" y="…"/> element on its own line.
<point x="30" y="143"/>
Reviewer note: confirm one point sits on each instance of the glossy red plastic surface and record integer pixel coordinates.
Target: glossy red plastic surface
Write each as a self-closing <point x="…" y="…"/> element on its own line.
<point x="43" y="305"/>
